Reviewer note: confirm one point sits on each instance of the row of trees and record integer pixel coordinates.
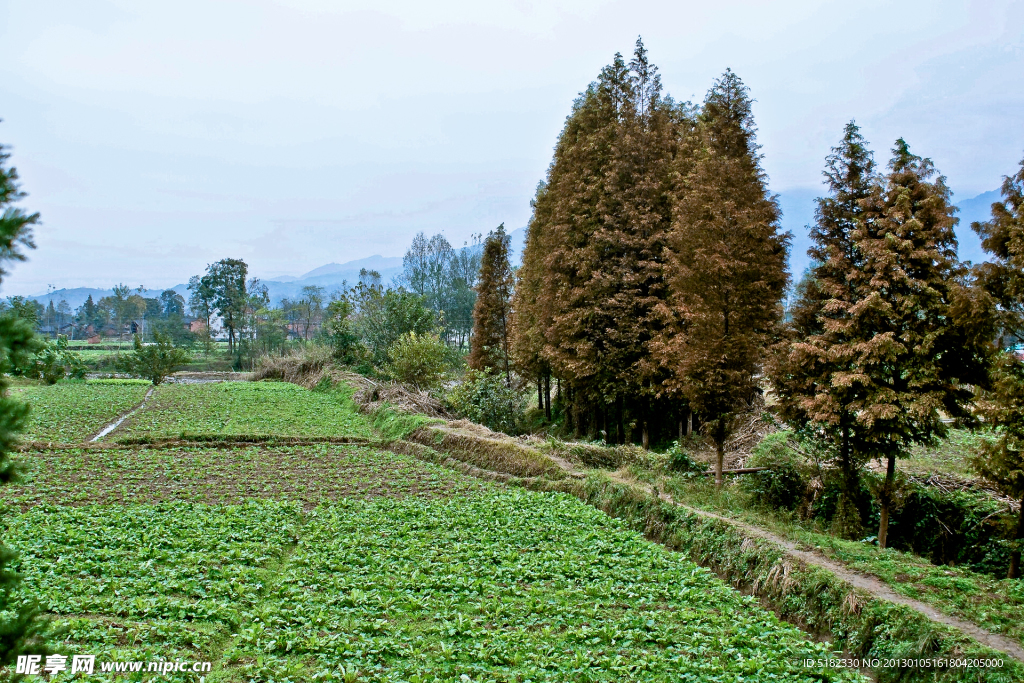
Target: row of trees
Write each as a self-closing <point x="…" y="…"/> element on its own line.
<point x="655" y="267"/>
<point x="655" y="263"/>
<point x="111" y="315"/>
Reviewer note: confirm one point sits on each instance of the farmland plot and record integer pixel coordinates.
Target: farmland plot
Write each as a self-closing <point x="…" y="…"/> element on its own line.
<point x="504" y="586"/>
<point x="341" y="562"/>
<point x="73" y="411"/>
<point x="308" y="475"/>
<point x="245" y="408"/>
<point x="392" y="570"/>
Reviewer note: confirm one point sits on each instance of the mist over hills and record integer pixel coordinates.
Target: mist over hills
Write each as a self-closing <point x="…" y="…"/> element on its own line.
<point x="797" y="214"/>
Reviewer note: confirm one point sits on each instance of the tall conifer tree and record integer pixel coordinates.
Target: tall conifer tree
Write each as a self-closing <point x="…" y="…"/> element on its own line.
<point x="489" y="349"/>
<point x="599" y="228"/>
<point x="1002" y="462"/>
<point x="918" y="334"/>
<point x="531" y="305"/>
<point x="811" y="374"/>
<point x="730" y="263"/>
<point x="20" y="628"/>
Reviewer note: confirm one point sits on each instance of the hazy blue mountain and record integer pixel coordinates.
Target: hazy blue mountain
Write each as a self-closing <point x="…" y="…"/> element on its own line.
<point x="798" y="214"/>
<point x="974" y="209"/>
<point x="378" y="263"/>
<point x="517" y="242"/>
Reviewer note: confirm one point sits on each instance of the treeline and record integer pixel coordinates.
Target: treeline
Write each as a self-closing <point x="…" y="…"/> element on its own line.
<point x="653" y="278"/>
<point x="434" y="295"/>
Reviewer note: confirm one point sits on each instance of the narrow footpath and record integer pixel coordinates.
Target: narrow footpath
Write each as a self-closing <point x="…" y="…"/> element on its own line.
<point x="866" y="582"/>
<point x="124" y="416"/>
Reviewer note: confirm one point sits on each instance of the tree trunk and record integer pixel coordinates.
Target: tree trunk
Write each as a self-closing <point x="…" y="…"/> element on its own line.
<point x="547" y="396"/>
<point x="689" y="422"/>
<point x="1014" y="571"/>
<point x="540" y="392"/>
<point x="646" y="435"/>
<point x="620" y="428"/>
<point x="720" y="449"/>
<point x="681" y="428"/>
<point x="886" y="498"/>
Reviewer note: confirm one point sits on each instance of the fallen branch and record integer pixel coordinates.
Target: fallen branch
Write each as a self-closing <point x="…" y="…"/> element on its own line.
<point x="741" y="470"/>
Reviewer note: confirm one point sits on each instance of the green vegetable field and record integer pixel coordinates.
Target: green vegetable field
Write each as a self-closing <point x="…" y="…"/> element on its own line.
<point x="245" y="408"/>
<point x="74" y="411"/>
<point x="338" y="562"/>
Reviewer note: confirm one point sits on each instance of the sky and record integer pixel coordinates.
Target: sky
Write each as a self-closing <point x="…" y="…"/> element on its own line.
<point x="155" y="138"/>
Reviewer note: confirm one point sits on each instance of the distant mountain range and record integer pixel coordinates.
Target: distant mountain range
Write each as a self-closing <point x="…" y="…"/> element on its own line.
<point x="330" y="276"/>
<point x="797" y="213"/>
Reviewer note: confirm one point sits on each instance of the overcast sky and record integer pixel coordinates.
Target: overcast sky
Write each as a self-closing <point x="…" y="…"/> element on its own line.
<point x="157" y="137"/>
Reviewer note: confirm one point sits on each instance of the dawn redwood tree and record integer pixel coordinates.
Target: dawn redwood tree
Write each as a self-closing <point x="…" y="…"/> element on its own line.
<point x="1002" y="236"/>
<point x="1002" y="461"/>
<point x="21" y="630"/>
<point x="729" y="271"/>
<point x="531" y="305"/>
<point x="919" y="334"/>
<point x="489" y="348"/>
<point x="811" y="372"/>
<point x="593" y="271"/>
<point x="577" y="332"/>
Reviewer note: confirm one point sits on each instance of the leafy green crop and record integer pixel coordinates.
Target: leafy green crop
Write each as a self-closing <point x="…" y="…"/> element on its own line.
<point x="150" y="582"/>
<point x="405" y="572"/>
<point x="307" y="474"/>
<point x="70" y="412"/>
<point x="509" y="586"/>
<point x="245" y="408"/>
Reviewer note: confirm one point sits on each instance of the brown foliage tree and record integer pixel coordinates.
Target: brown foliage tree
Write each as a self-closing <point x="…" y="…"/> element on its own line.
<point x="917" y="339"/>
<point x="729" y="260"/>
<point x="593" y="276"/>
<point x="489" y="348"/>
<point x="809" y="370"/>
<point x="1002" y="462"/>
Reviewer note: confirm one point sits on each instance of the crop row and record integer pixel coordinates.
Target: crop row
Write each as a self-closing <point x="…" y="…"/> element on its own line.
<point x="308" y="474"/>
<point x="509" y="586"/>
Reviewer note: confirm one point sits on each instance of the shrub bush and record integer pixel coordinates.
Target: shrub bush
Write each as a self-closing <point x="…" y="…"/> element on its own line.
<point x="155" y="361"/>
<point x="418" y="359"/>
<point x="484" y="398"/>
<point x="55" y="361"/>
<point x="784" y="485"/>
<point x="680" y="461"/>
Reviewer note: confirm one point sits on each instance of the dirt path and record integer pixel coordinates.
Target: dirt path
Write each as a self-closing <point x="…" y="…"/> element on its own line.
<point x="124" y="416"/>
<point x="866" y="582"/>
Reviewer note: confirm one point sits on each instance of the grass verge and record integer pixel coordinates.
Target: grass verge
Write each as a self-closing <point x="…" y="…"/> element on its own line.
<point x="811" y="597"/>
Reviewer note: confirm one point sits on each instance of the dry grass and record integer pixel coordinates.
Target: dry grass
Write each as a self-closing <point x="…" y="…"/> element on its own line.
<point x="307" y="367"/>
<point x="310" y="366"/>
<point x="497" y="453"/>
